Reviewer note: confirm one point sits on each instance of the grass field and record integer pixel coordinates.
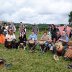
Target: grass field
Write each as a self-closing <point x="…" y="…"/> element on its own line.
<point x="23" y="61"/>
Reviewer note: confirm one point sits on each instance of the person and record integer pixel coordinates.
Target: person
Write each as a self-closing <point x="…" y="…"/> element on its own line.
<point x="10" y="40"/>
<point x="61" y="45"/>
<point x="47" y="42"/>
<point x="2" y="37"/>
<point x="70" y="35"/>
<point x="5" y="29"/>
<point x="65" y="29"/>
<point x="12" y="26"/>
<point x="32" y="41"/>
<point x="35" y="29"/>
<point x="58" y="35"/>
<point x="53" y="33"/>
<point x="22" y="29"/>
<point x="22" y="40"/>
<point x="64" y="39"/>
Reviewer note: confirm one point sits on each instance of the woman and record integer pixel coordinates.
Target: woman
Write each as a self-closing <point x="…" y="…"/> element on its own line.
<point x="10" y="40"/>
<point x="47" y="42"/>
<point x="22" y="40"/>
<point x="53" y="33"/>
<point x="22" y="28"/>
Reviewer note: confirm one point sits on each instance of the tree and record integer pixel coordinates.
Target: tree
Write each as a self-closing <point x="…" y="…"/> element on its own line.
<point x="70" y="18"/>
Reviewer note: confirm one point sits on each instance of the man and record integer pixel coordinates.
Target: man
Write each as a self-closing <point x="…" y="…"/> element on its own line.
<point x="64" y="39"/>
<point x="47" y="43"/>
<point x="32" y="41"/>
<point x="62" y="45"/>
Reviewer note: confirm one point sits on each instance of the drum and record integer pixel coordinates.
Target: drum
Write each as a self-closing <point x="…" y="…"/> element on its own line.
<point x="31" y="41"/>
<point x="9" y="43"/>
<point x="68" y="53"/>
<point x="2" y="62"/>
<point x="21" y="45"/>
<point x="55" y="57"/>
<point x="41" y="42"/>
<point x="59" y="46"/>
<point x="70" y="43"/>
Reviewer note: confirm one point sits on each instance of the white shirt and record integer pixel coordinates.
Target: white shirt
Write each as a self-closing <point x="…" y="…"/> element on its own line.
<point x="10" y="37"/>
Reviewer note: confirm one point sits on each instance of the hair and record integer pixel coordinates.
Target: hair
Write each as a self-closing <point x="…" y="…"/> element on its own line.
<point x="45" y="32"/>
<point x="20" y="22"/>
<point x="1" y="31"/>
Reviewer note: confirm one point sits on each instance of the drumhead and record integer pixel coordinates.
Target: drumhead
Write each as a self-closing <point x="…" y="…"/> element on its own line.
<point x="59" y="46"/>
<point x="41" y="42"/>
<point x="31" y="41"/>
<point x="70" y="43"/>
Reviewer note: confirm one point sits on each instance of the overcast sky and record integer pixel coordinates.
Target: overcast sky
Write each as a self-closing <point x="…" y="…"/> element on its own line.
<point x="36" y="11"/>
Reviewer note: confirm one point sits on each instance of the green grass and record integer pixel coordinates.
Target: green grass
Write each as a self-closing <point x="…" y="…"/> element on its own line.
<point x="24" y="61"/>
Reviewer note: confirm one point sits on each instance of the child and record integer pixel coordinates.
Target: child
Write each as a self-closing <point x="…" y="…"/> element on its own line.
<point x="22" y="40"/>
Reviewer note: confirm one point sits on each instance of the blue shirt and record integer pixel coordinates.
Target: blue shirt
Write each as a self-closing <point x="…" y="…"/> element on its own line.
<point x="33" y="37"/>
<point x="67" y="39"/>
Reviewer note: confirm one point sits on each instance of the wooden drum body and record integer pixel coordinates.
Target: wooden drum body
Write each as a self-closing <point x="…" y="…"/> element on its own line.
<point x="68" y="53"/>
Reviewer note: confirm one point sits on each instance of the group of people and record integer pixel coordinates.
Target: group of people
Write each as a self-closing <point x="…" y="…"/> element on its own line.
<point x="51" y="40"/>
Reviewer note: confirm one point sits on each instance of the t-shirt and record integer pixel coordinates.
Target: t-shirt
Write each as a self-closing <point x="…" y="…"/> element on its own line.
<point x="33" y="37"/>
<point x="10" y="37"/>
<point x="64" y="38"/>
<point x="45" y="37"/>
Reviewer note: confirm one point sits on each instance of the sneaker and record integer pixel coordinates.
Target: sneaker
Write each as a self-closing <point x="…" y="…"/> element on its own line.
<point x="51" y="48"/>
<point x="24" y="48"/>
<point x="56" y="58"/>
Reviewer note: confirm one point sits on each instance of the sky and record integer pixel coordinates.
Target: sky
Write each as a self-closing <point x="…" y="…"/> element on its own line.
<point x="36" y="11"/>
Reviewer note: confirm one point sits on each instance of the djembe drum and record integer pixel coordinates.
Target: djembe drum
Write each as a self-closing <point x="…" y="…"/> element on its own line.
<point x="59" y="46"/>
<point x="31" y="41"/>
<point x="9" y="44"/>
<point x="41" y="42"/>
<point x="2" y="63"/>
<point x="21" y="45"/>
<point x="68" y="53"/>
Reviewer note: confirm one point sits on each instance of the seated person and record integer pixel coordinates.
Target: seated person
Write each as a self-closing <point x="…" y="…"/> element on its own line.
<point x="2" y="37"/>
<point x="22" y="40"/>
<point x="58" y="35"/>
<point x="61" y="45"/>
<point x="64" y="39"/>
<point x="10" y="40"/>
<point x="32" y="41"/>
<point x="70" y="35"/>
<point x="47" y="42"/>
